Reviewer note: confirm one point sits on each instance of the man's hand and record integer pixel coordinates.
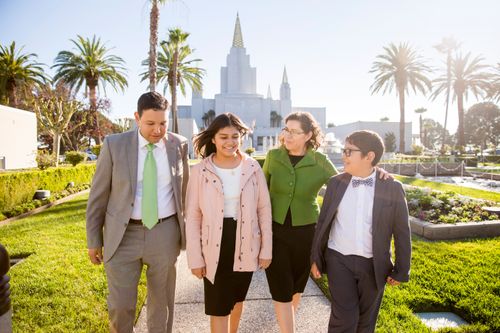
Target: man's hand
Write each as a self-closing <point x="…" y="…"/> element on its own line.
<point x="315" y="271"/>
<point x="392" y="282"/>
<point x="199" y="272"/>
<point x="95" y="255"/>
<point x="264" y="263"/>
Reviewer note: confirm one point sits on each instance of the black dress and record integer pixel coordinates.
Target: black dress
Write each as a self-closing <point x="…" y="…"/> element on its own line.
<point x="229" y="287"/>
<point x="289" y="270"/>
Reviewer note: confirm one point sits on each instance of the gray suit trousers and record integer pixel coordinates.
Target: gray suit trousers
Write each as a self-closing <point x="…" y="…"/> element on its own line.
<point x="355" y="297"/>
<point x="158" y="249"/>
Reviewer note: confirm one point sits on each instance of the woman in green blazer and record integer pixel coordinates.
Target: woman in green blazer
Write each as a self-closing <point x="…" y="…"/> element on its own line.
<point x="295" y="172"/>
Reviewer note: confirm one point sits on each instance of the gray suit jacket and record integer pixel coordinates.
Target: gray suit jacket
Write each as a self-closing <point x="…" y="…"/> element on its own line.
<point x="112" y="194"/>
<point x="390" y="218"/>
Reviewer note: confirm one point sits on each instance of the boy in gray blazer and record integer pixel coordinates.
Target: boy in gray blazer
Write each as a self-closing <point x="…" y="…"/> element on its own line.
<point x="361" y="214"/>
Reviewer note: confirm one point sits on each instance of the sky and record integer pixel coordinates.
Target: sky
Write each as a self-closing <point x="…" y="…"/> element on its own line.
<point x="327" y="46"/>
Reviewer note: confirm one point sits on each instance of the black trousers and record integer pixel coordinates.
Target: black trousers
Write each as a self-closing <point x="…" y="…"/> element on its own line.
<point x="355" y="297"/>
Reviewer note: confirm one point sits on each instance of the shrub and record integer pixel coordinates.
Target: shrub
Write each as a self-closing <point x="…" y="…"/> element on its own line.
<point x="18" y="187"/>
<point x="96" y="150"/>
<point x="250" y="150"/>
<point x="45" y="160"/>
<point x="75" y="157"/>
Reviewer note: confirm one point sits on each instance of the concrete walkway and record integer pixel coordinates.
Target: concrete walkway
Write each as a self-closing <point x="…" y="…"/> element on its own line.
<point x="258" y="313"/>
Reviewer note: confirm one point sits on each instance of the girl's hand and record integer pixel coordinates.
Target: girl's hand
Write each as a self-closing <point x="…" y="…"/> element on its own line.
<point x="199" y="272"/>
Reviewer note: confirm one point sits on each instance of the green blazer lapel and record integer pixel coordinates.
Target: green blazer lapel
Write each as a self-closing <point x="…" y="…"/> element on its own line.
<point x="284" y="159"/>
<point x="132" y="156"/>
<point x="307" y="160"/>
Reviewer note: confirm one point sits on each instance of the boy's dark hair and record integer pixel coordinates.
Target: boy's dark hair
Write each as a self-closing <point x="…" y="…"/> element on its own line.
<point x="367" y="141"/>
<point x="151" y="100"/>
<point x="203" y="144"/>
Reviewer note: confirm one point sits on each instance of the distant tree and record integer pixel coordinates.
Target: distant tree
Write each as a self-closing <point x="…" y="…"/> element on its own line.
<point x="54" y="108"/>
<point x="208" y="117"/>
<point x="467" y="75"/>
<point x="173" y="58"/>
<point x="432" y="132"/>
<point x="447" y="46"/>
<point x="18" y="71"/>
<point x="330" y="125"/>
<point x="384" y="119"/>
<point x="400" y="67"/>
<point x="420" y="111"/>
<point x="91" y="66"/>
<point x="482" y="125"/>
<point x="390" y="142"/>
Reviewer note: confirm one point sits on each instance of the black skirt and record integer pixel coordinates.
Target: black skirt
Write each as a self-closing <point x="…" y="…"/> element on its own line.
<point x="229" y="287"/>
<point x="289" y="270"/>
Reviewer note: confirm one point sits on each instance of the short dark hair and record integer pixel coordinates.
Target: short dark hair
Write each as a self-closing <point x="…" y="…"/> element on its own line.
<point x="367" y="141"/>
<point x="309" y="125"/>
<point x="151" y="100"/>
<point x="203" y="144"/>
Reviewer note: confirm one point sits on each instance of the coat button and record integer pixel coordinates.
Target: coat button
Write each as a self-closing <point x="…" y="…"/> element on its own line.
<point x="217" y="245"/>
<point x="132" y="204"/>
<point x="290" y="195"/>
<point x="291" y="183"/>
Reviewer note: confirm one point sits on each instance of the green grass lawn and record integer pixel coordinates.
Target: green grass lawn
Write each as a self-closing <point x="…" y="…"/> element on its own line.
<point x="458" y="276"/>
<point x="465" y="191"/>
<point x="56" y="288"/>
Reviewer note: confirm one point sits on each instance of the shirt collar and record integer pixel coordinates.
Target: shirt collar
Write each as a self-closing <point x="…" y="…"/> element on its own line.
<point x="143" y="142"/>
<point x="372" y="175"/>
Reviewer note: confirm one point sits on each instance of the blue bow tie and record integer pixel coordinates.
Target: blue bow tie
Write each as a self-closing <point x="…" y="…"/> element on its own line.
<point x="366" y="182"/>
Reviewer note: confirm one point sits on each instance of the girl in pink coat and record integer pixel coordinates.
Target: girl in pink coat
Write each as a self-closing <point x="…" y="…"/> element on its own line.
<point x="228" y="220"/>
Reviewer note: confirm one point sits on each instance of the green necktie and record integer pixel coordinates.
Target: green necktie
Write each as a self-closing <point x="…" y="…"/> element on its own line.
<point x="149" y="190"/>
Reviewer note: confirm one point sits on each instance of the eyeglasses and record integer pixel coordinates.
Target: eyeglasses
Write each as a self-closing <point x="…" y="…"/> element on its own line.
<point x="347" y="151"/>
<point x="292" y="132"/>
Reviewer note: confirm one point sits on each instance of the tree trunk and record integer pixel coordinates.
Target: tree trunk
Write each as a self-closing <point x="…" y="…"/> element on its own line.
<point x="448" y="76"/>
<point x="175" y="124"/>
<point x="57" y="147"/>
<point x="93" y="110"/>
<point x="401" y="94"/>
<point x="460" y="131"/>
<point x="12" y="93"/>
<point x="153" y="42"/>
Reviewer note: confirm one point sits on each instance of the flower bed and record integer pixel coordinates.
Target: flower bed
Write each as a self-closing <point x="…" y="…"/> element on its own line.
<point x="446" y="207"/>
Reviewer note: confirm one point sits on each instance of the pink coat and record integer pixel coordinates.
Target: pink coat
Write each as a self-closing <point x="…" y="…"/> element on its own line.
<point x="204" y="218"/>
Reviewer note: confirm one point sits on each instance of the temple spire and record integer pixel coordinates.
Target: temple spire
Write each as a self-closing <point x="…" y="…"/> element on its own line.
<point x="269" y="92"/>
<point x="238" y="37"/>
<point x="285" y="77"/>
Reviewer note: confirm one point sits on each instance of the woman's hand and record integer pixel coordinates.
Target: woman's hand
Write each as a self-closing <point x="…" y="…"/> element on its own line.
<point x="264" y="263"/>
<point x="199" y="272"/>
<point x="315" y="271"/>
<point x="384" y="174"/>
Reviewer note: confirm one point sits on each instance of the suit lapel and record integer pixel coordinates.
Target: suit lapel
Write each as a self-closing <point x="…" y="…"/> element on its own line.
<point x="338" y="194"/>
<point x="377" y="201"/>
<point x="132" y="157"/>
<point x="172" y="156"/>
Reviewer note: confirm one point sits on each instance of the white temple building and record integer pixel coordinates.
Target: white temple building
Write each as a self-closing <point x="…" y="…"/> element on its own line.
<point x="238" y="95"/>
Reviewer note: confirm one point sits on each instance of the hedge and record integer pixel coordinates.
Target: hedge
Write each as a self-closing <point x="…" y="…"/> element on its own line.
<point x="18" y="187"/>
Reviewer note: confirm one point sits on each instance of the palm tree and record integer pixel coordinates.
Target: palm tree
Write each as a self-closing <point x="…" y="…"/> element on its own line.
<point x="466" y="75"/>
<point x="400" y="67"/>
<point x="173" y="59"/>
<point x="91" y="66"/>
<point x="154" y="18"/>
<point x="447" y="46"/>
<point x="420" y="111"/>
<point x="494" y="88"/>
<point x="18" y="71"/>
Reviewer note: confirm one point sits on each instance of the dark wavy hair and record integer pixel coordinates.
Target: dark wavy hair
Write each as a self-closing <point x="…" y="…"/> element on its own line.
<point x="309" y="125"/>
<point x="202" y="142"/>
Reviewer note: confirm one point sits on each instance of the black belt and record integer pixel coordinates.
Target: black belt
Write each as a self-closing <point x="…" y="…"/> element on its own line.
<point x="133" y="221"/>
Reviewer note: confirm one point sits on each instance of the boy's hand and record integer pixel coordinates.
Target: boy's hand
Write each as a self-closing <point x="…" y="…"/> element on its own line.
<point x="315" y="271"/>
<point x="392" y="282"/>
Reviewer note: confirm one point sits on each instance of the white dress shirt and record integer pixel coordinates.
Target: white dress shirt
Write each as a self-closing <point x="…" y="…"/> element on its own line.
<point x="351" y="232"/>
<point x="166" y="203"/>
<point x="231" y="186"/>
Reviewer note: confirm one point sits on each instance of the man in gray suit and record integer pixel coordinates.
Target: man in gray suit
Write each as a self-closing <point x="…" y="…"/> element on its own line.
<point x="136" y="232"/>
<point x="361" y="214"/>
